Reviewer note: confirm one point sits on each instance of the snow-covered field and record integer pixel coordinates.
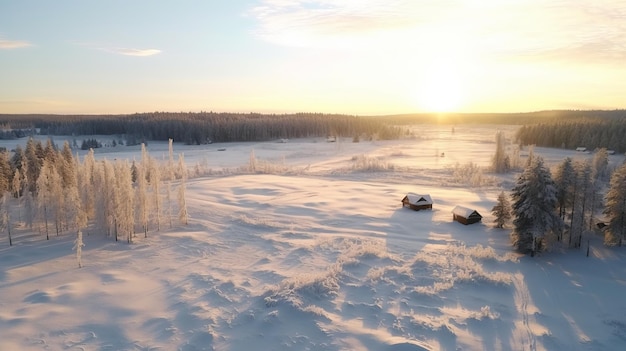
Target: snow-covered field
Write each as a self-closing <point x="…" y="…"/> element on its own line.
<point x="318" y="254"/>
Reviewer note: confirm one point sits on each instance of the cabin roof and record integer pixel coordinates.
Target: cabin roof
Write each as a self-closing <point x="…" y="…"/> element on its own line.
<point x="465" y="212"/>
<point x="417" y="199"/>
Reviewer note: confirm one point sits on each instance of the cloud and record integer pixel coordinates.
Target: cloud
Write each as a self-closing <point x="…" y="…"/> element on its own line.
<point x="320" y="22"/>
<point x="132" y="52"/>
<point x="577" y="30"/>
<point x="6" y="44"/>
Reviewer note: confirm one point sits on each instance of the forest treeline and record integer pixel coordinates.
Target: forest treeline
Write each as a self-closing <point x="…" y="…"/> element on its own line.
<point x="591" y="133"/>
<point x="521" y="118"/>
<point x="205" y="127"/>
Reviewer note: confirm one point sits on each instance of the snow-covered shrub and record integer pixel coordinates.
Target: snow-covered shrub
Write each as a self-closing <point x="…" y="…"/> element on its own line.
<point x="315" y="285"/>
<point x="370" y="164"/>
<point x="484" y="313"/>
<point x="470" y="174"/>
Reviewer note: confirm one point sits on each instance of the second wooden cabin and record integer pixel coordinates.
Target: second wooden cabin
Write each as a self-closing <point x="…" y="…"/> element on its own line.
<point x="466" y="215"/>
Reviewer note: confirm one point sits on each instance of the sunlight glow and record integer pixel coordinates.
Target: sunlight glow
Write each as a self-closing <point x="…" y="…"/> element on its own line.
<point x="440" y="88"/>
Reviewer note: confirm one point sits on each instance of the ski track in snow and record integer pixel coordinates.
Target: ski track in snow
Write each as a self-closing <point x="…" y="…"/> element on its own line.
<point x="525" y="334"/>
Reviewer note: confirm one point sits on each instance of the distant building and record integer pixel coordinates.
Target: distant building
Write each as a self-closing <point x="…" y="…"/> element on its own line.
<point x="465" y="215"/>
<point x="417" y="202"/>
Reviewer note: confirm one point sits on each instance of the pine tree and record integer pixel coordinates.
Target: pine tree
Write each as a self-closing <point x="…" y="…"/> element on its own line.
<point x="33" y="155"/>
<point x="615" y="209"/>
<point x="534" y="208"/>
<point x="501" y="211"/>
<point x="565" y="179"/>
<point x="582" y="207"/>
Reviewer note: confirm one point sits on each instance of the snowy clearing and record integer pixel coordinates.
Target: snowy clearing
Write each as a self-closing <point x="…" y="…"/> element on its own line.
<point x="318" y="254"/>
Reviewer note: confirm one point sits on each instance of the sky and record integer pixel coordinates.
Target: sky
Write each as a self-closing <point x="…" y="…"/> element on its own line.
<point x="361" y="57"/>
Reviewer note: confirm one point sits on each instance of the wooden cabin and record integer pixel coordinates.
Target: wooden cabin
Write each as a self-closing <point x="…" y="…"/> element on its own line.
<point x="417" y="202"/>
<point x="466" y="215"/>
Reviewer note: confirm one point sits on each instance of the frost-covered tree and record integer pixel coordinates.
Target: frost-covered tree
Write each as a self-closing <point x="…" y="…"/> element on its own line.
<point x="534" y="208"/>
<point x="576" y="205"/>
<point x="155" y="185"/>
<point x="78" y="246"/>
<point x="501" y="211"/>
<point x="30" y="209"/>
<point x="5" y="215"/>
<point x="615" y="208"/>
<point x="565" y="180"/>
<point x="45" y="193"/>
<point x="141" y="195"/>
<point x="86" y="181"/>
<point x="183" y="215"/>
<point x="107" y="198"/>
<point x="5" y="172"/>
<point x="500" y="161"/>
<point x="16" y="186"/>
<point x="33" y="156"/>
<point x="170" y="160"/>
<point x="124" y="204"/>
<point x="601" y="164"/>
<point x="168" y="201"/>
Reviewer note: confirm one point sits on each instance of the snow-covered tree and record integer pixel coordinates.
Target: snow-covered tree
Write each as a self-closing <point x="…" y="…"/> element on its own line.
<point x="107" y="198"/>
<point x="565" y="180"/>
<point x="16" y="185"/>
<point x="5" y="172"/>
<point x="124" y="205"/>
<point x="45" y="193"/>
<point x="534" y="208"/>
<point x="33" y="156"/>
<point x="170" y="160"/>
<point x="168" y="201"/>
<point x="78" y="246"/>
<point x="141" y="195"/>
<point x="500" y="161"/>
<point x="155" y="185"/>
<point x="86" y="181"/>
<point x="601" y="164"/>
<point x="30" y="209"/>
<point x="615" y="209"/>
<point x="183" y="215"/>
<point x="5" y="215"/>
<point x="501" y="211"/>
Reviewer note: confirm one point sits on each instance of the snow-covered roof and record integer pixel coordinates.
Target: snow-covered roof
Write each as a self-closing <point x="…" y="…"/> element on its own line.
<point x="416" y="199"/>
<point x="464" y="211"/>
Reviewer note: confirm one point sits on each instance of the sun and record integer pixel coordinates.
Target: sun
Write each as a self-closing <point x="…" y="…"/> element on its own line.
<point x="440" y="89"/>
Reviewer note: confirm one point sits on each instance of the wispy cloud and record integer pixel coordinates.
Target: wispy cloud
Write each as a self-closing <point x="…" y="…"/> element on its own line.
<point x="593" y="30"/>
<point x="317" y="22"/>
<point x="6" y="44"/>
<point x="132" y="52"/>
